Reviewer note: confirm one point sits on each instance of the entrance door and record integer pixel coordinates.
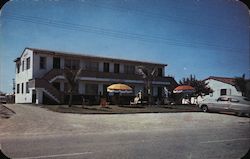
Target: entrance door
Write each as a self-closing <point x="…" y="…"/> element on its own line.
<point x="56" y="63"/>
<point x="33" y="96"/>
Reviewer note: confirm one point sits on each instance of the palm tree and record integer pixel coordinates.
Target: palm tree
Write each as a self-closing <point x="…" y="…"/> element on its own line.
<point x="72" y="78"/>
<point x="241" y="84"/>
<point x="148" y="74"/>
<point x="199" y="86"/>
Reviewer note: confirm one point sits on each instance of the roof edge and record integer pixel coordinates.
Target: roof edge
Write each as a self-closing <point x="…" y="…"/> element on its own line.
<point x="87" y="55"/>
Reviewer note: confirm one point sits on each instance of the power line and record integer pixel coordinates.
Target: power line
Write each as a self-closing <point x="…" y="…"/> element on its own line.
<point x="115" y="33"/>
<point x="164" y="17"/>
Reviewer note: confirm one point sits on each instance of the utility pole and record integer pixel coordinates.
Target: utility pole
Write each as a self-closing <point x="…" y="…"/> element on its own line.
<point x="14" y="85"/>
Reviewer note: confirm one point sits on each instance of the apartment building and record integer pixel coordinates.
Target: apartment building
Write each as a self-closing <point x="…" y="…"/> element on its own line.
<point x="40" y="76"/>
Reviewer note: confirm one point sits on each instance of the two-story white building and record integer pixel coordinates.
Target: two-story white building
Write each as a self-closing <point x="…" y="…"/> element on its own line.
<point x="40" y="76"/>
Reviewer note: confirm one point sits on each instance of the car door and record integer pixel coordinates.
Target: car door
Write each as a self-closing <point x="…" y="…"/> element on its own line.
<point x="222" y="103"/>
<point x="239" y="105"/>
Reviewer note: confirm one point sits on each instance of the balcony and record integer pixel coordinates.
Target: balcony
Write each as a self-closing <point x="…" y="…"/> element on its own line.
<point x="104" y="75"/>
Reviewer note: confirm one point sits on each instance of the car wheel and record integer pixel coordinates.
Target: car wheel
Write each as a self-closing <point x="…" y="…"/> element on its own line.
<point x="204" y="108"/>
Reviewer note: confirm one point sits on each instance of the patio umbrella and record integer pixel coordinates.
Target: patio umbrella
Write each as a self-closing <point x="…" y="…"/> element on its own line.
<point x="119" y="88"/>
<point x="184" y="89"/>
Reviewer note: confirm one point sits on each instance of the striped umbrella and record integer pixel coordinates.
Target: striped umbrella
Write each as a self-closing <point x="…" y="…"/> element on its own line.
<point x="119" y="88"/>
<point x="184" y="89"/>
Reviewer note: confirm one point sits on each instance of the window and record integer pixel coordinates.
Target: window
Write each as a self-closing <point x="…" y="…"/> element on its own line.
<point x="91" y="66"/>
<point x="56" y="63"/>
<point x="42" y="62"/>
<point x="27" y="87"/>
<point x="129" y="69"/>
<point x="67" y="63"/>
<point x="159" y="72"/>
<point x="75" y="64"/>
<point x="234" y="100"/>
<point x="116" y="68"/>
<point x="105" y="67"/>
<point x="91" y="89"/>
<point x="22" y="65"/>
<point x="18" y="67"/>
<point x="18" y="88"/>
<point x="223" y="99"/>
<point x="22" y="88"/>
<point x="28" y="63"/>
<point x="223" y="92"/>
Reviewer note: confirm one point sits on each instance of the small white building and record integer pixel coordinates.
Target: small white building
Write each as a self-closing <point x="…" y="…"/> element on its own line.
<point x="221" y="86"/>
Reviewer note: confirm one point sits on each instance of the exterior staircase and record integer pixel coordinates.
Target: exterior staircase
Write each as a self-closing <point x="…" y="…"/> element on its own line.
<point x="49" y="89"/>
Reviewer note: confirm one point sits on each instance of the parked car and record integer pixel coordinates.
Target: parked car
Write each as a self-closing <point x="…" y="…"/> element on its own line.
<point x="3" y="100"/>
<point x="237" y="104"/>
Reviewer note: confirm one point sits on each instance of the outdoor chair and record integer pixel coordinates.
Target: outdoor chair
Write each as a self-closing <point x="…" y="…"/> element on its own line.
<point x="136" y="101"/>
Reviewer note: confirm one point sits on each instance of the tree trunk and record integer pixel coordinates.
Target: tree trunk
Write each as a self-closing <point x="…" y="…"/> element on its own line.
<point x="70" y="98"/>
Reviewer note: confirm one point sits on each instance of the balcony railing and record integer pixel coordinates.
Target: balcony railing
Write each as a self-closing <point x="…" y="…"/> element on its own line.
<point x="57" y="72"/>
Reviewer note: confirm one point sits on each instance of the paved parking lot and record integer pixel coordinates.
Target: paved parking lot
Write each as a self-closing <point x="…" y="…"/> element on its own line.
<point x="168" y="135"/>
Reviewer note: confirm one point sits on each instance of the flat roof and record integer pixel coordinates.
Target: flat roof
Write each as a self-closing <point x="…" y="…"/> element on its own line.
<point x="62" y="53"/>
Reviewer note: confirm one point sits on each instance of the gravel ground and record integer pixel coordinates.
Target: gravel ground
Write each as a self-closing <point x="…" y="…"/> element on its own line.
<point x="5" y="112"/>
<point x="33" y="120"/>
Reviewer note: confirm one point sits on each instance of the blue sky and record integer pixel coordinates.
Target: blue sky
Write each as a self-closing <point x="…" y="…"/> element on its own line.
<point x="200" y="37"/>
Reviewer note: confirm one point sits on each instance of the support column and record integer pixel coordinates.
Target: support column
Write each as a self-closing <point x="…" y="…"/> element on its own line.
<point x="39" y="96"/>
<point x="100" y="88"/>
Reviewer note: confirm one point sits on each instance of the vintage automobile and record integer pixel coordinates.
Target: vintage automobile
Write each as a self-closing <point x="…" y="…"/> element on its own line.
<point x="237" y="104"/>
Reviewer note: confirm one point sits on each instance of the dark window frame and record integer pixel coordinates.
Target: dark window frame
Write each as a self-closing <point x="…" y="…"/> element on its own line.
<point x="160" y="72"/>
<point x="106" y="67"/>
<point x="223" y="92"/>
<point x="22" y="88"/>
<point x="27" y="87"/>
<point x="91" y="89"/>
<point x="18" y="88"/>
<point x="23" y="65"/>
<point x="18" y="67"/>
<point x="116" y="68"/>
<point x="28" y="63"/>
<point x="129" y="69"/>
<point x="43" y="62"/>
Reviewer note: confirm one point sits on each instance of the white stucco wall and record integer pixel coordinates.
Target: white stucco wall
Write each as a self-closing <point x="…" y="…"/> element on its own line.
<point x="111" y="67"/>
<point x="216" y="86"/>
<point x="101" y="66"/>
<point x="23" y="77"/>
<point x="37" y="72"/>
<point x="121" y="68"/>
